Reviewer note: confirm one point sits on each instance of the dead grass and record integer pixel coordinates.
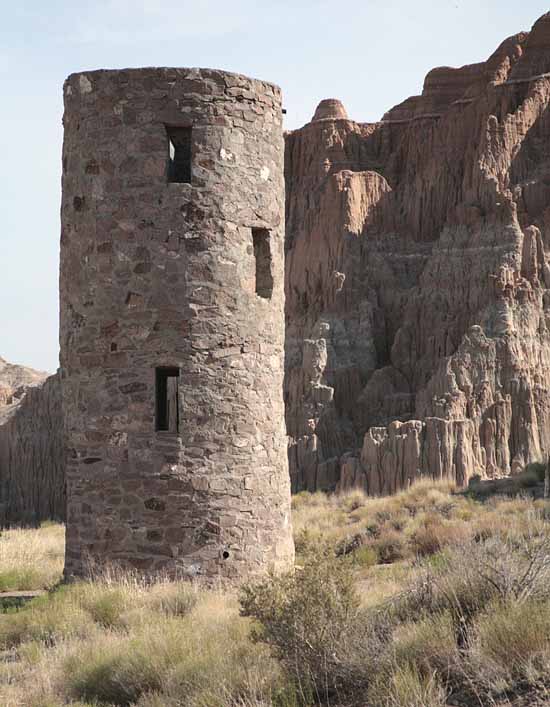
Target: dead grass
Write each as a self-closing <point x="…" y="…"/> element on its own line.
<point x="121" y="642"/>
<point x="31" y="559"/>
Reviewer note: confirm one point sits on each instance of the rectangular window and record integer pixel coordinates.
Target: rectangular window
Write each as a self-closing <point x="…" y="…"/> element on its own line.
<point x="179" y="155"/>
<point x="167" y="399"/>
<point x="261" y="239"/>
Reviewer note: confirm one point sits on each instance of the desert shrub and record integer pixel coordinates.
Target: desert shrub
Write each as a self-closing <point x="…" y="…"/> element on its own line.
<point x="365" y="556"/>
<point x="507" y="567"/>
<point x="510" y="648"/>
<point x="488" y="524"/>
<point x="434" y="534"/>
<point x="305" y="540"/>
<point x="390" y="546"/>
<point x="507" y="653"/>
<point x="358" y="549"/>
<point x="353" y="500"/>
<point x="313" y="620"/>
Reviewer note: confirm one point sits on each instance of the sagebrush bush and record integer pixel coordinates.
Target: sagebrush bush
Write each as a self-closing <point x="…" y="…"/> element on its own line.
<point x="314" y="621"/>
<point x="514" y="565"/>
<point x="390" y="546"/>
<point x="433" y="534"/>
<point x="510" y="648"/>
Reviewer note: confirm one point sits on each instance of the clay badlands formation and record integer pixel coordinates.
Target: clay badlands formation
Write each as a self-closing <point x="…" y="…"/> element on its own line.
<point x="418" y="297"/>
<point x="32" y="483"/>
<point x="417" y="288"/>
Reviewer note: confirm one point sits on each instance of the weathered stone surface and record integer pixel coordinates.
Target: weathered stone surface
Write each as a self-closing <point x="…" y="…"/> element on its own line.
<point x="330" y="109"/>
<point x="14" y="381"/>
<point x="393" y="457"/>
<point x="32" y="480"/>
<point x="159" y="274"/>
<point x="417" y="280"/>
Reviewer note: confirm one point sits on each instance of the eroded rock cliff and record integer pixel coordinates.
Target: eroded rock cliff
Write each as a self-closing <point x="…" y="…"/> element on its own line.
<point x="14" y="381"/>
<point x="32" y="480"/>
<point x="418" y="279"/>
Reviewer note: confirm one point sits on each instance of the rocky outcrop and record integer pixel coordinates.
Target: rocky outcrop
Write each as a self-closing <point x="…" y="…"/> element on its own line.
<point x="32" y="480"/>
<point x="14" y="381"/>
<point x="418" y="280"/>
<point x="393" y="457"/>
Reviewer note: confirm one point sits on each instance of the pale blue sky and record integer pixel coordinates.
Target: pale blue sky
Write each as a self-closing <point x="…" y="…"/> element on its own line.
<point x="369" y="53"/>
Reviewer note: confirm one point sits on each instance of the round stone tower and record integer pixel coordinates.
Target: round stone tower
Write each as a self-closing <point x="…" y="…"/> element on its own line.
<point x="172" y="323"/>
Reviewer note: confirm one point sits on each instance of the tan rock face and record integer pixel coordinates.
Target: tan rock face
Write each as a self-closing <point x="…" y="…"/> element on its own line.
<point x="417" y="280"/>
<point x="14" y="381"/>
<point x="330" y="109"/>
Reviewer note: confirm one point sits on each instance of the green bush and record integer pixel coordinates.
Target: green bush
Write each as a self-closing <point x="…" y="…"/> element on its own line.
<point x="365" y="556"/>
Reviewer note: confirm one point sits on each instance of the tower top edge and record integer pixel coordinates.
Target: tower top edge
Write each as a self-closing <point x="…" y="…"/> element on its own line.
<point x="169" y="73"/>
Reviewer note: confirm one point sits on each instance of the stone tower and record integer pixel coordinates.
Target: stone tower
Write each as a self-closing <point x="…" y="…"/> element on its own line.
<point x="172" y="323"/>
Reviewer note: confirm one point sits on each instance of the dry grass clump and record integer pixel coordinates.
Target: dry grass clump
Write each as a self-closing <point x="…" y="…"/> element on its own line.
<point x="122" y="642"/>
<point x="420" y="521"/>
<point x="471" y="628"/>
<point x="206" y="658"/>
<point x="406" y="687"/>
<point x="76" y="611"/>
<point x="509" y="652"/>
<point x="31" y="558"/>
<point x="429" y="598"/>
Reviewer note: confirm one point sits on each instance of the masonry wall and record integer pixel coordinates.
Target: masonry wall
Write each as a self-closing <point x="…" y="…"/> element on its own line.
<point x="158" y="274"/>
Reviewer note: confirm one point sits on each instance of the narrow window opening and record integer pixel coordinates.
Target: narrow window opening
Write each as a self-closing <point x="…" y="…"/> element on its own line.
<point x="167" y="399"/>
<point x="261" y="239"/>
<point x="179" y="155"/>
